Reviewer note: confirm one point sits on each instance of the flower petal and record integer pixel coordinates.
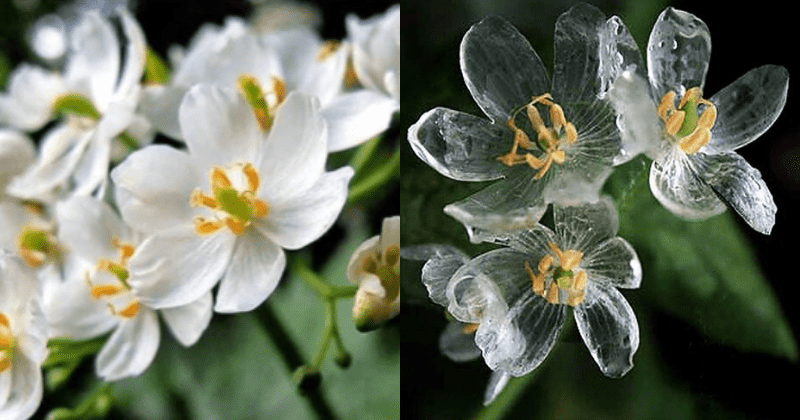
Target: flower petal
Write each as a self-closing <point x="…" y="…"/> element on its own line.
<point x="674" y="182"/>
<point x="160" y="105"/>
<point x="583" y="226"/>
<point x="72" y="313"/>
<point x="131" y="347"/>
<point x="457" y="345"/>
<point x="355" y="117"/>
<point x="740" y="186"/>
<point x="177" y="267"/>
<point x="500" y="68"/>
<point x="134" y="55"/>
<point x="17" y="151"/>
<point x="256" y="267"/>
<point x="441" y="262"/>
<point x="497" y="381"/>
<point x="188" y="322"/>
<point x="31" y="92"/>
<point x="609" y="328"/>
<point x="747" y="107"/>
<point x="25" y="388"/>
<point x="618" y="53"/>
<point x="577" y="60"/>
<point x="302" y="219"/>
<point x="510" y="204"/>
<point x="93" y="66"/>
<point x="678" y="52"/>
<point x="638" y="123"/>
<point x="153" y="188"/>
<point x="459" y="145"/>
<point x="613" y="262"/>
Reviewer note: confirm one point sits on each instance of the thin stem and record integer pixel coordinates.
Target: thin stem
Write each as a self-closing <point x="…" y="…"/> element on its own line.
<point x="326" y="290"/>
<point x="377" y="178"/>
<point x="364" y="154"/>
<point x="128" y="141"/>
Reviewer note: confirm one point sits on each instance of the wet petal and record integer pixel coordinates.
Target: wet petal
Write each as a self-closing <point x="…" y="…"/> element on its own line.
<point x="188" y="322"/>
<point x="609" y="329"/>
<point x="613" y="262"/>
<point x="131" y="348"/>
<point x="675" y="183"/>
<point x="583" y="226"/>
<point x="618" y="53"/>
<point x="638" y="123"/>
<point x="256" y="267"/>
<point x="678" y="52"/>
<point x="577" y="60"/>
<point x="459" y="145"/>
<point x="442" y="262"/>
<point x="747" y="107"/>
<point x="740" y="186"/>
<point x="500" y="68"/>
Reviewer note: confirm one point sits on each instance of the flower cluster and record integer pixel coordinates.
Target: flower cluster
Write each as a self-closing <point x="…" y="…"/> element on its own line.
<point x="556" y="142"/>
<point x="105" y="230"/>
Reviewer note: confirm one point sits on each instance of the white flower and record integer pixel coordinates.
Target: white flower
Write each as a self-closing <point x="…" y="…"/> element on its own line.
<point x="98" y="92"/>
<point x="228" y="206"/>
<point x="281" y="62"/>
<point x="95" y="297"/>
<point x="375" y="268"/>
<point x="23" y="340"/>
<point x="696" y="172"/>
<point x="376" y="51"/>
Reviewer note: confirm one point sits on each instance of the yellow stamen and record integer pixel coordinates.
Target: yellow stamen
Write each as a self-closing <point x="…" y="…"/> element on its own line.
<point x="327" y="49"/>
<point x="552" y="293"/>
<point x="219" y="179"/>
<point x="205" y="227"/>
<point x="694" y="141"/>
<point x="565" y="276"/>
<point x="674" y="122"/>
<point x="130" y="310"/>
<point x="234" y="206"/>
<point x="688" y="130"/>
<point x="279" y="88"/>
<point x="470" y="328"/>
<point x="104" y="290"/>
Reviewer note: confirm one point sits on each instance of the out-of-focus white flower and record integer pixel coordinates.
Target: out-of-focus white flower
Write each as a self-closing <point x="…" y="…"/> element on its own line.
<point x="23" y="340"/>
<point x="696" y="171"/>
<point x="376" y="51"/>
<point x="97" y="92"/>
<point x="375" y="268"/>
<point x="282" y="62"/>
<point x="547" y="143"/>
<point x="228" y="206"/>
<point x="95" y="297"/>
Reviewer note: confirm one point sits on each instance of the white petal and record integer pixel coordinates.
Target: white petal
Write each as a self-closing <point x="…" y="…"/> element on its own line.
<point x="93" y="66"/>
<point x="355" y="117"/>
<point x="72" y="313"/>
<point x="25" y="388"/>
<point x="17" y="151"/>
<point x="256" y="267"/>
<point x="29" y="103"/>
<point x="87" y="226"/>
<point x="303" y="219"/>
<point x="177" y="267"/>
<point x="188" y="322"/>
<point x="218" y="126"/>
<point x="134" y="55"/>
<point x="609" y="328"/>
<point x="364" y="252"/>
<point x="153" y="188"/>
<point x="131" y="348"/>
<point x="160" y="104"/>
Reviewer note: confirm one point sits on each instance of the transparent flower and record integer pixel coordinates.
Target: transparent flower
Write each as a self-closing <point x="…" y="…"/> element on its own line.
<point x="98" y="94"/>
<point x="228" y="206"/>
<point x="376" y="51"/>
<point x="282" y="62"/>
<point x="23" y="340"/>
<point x="519" y="295"/>
<point x="696" y="171"/>
<point x="547" y="143"/>
<point x="375" y="268"/>
<point x="95" y="296"/>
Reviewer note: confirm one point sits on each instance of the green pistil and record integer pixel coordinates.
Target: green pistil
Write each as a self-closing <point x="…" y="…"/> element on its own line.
<point x="76" y="104"/>
<point x="36" y="240"/>
<point x="230" y="202"/>
<point x="690" y="118"/>
<point x="562" y="277"/>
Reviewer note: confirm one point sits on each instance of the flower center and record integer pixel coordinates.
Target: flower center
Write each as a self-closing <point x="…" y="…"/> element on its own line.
<point x="111" y="282"/>
<point x="686" y="124"/>
<point x="263" y="104"/>
<point x="560" y="284"/>
<point x="36" y="245"/>
<point x="234" y="204"/>
<point x="386" y="265"/>
<point x="549" y="140"/>
<point x="6" y="343"/>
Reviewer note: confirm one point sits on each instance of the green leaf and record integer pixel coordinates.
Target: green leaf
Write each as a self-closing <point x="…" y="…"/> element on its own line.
<point x="703" y="272"/>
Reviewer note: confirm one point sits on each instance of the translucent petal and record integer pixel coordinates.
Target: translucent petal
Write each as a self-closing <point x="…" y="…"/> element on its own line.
<point x="747" y="107"/>
<point x="613" y="262"/>
<point x="457" y="345"/>
<point x="459" y="145"/>
<point x="609" y="329"/>
<point x="740" y="186"/>
<point x="583" y="226"/>
<point x="500" y="68"/>
<point x="677" y="52"/>
<point x="586" y="169"/>
<point x="532" y="242"/>
<point x="577" y="59"/>
<point x="638" y="123"/>
<point x="497" y="381"/>
<point x="442" y="262"/>
<point x="511" y="204"/>
<point x="675" y="183"/>
<point x="131" y="347"/>
<point x="618" y="52"/>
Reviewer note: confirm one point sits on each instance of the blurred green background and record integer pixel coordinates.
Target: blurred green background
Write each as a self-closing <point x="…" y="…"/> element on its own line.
<point x="716" y="308"/>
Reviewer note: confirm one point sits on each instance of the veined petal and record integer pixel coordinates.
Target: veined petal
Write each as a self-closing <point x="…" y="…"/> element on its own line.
<point x="355" y="117"/>
<point x="500" y="68"/>
<point x="575" y="74"/>
<point x="25" y="388"/>
<point x="584" y="226"/>
<point x="638" y="123"/>
<point x="29" y="102"/>
<point x="675" y="183"/>
<point x="609" y="328"/>
<point x="300" y="220"/>
<point x="153" y="188"/>
<point x="188" y="322"/>
<point x="459" y="145"/>
<point x="442" y="261"/>
<point x="510" y="204"/>
<point x="747" y="107"/>
<point x="678" y="52"/>
<point x="218" y="126"/>
<point x="457" y="345"/>
<point x="740" y="186"/>
<point x="177" y="267"/>
<point x="256" y="267"/>
<point x="131" y="348"/>
<point x="93" y="66"/>
<point x="618" y="53"/>
<point x="613" y="262"/>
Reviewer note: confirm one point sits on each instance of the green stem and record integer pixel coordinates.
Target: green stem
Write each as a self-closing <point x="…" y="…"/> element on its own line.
<point x="366" y="185"/>
<point x="364" y="154"/>
<point x="128" y="141"/>
<point x="326" y="290"/>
